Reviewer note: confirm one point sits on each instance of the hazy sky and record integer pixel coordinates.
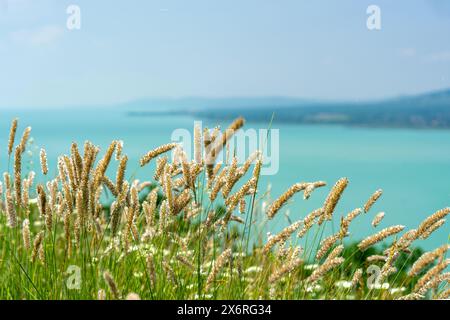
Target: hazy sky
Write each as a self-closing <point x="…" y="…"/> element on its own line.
<point x="133" y="49"/>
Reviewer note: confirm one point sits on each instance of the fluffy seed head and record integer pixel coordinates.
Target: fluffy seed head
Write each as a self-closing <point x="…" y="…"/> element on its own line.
<point x="433" y="272"/>
<point x="12" y="135"/>
<point x="26" y="234"/>
<point x="11" y="210"/>
<point x="197" y="143"/>
<point x="282" y="236"/>
<point x="218" y="264"/>
<point x="376" y="221"/>
<point x="333" y="197"/>
<point x="43" y="158"/>
<point x="37" y="244"/>
<point x="383" y="234"/>
<point x="357" y="277"/>
<point x="324" y="268"/>
<point x="111" y="284"/>
<point x="373" y="198"/>
<point x="24" y="140"/>
<point x="427" y="258"/>
<point x="431" y="220"/>
<point x="18" y="174"/>
<point x="277" y="204"/>
<point x="156" y="152"/>
<point x="326" y="244"/>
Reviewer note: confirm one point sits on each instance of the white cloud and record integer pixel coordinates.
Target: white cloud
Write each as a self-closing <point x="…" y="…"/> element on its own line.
<point x="37" y="37"/>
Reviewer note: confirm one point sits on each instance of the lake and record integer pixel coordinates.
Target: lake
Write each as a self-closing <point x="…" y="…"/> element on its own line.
<point x="411" y="166"/>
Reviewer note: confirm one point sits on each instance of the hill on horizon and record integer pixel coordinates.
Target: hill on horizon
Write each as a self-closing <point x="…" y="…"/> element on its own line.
<point x="429" y="110"/>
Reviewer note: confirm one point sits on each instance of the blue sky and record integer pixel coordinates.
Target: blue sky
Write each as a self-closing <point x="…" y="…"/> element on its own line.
<point x="133" y="49"/>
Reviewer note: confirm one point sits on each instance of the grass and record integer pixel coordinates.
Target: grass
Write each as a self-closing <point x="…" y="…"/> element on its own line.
<point x="168" y="238"/>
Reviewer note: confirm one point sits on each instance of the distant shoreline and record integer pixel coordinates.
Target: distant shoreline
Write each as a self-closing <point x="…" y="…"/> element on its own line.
<point x="218" y="117"/>
<point x="426" y="111"/>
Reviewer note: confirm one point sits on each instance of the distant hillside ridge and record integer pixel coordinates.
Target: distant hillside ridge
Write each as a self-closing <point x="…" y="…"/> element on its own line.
<point x="430" y="110"/>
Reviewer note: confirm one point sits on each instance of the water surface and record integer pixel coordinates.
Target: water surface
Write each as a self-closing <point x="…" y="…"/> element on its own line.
<point x="411" y="166"/>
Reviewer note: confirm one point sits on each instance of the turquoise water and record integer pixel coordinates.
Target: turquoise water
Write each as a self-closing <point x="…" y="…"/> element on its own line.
<point x="411" y="166"/>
